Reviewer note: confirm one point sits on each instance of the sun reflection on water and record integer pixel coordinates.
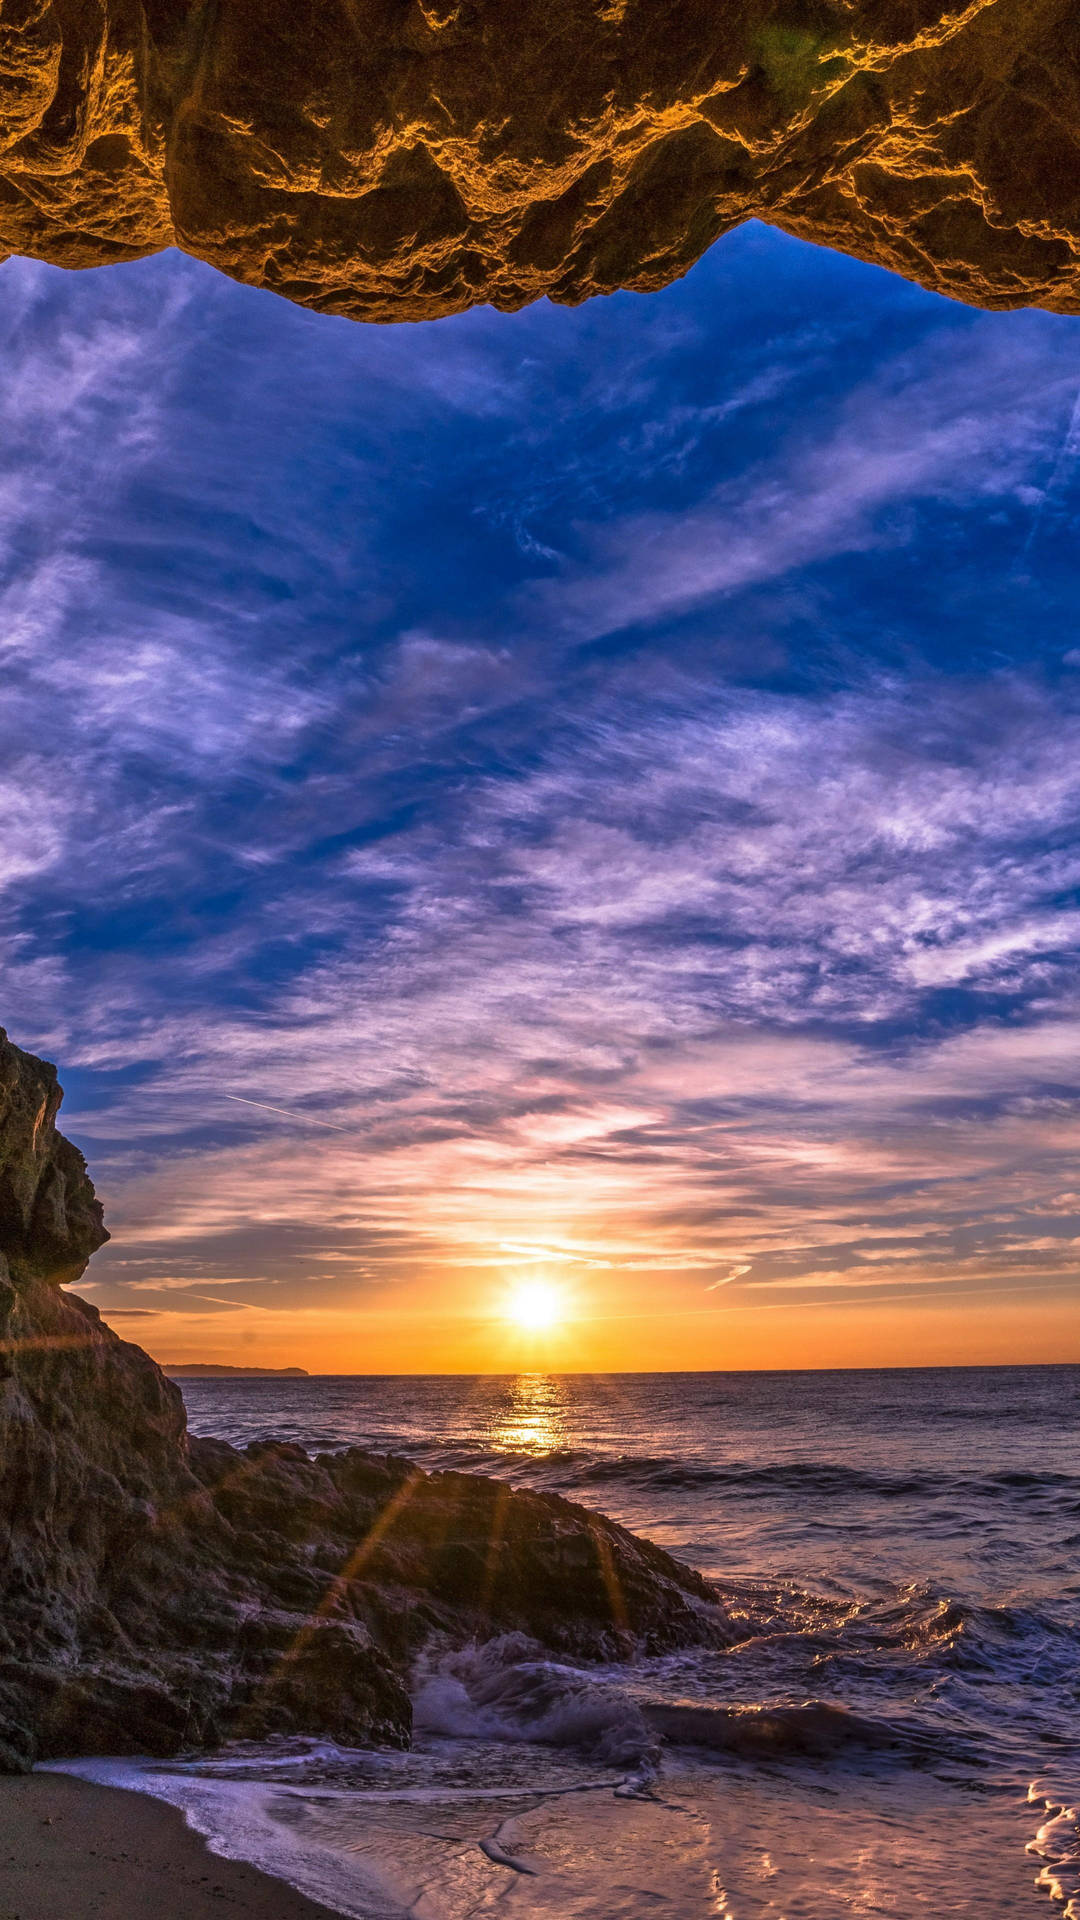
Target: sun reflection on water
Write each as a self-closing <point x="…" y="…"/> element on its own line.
<point x="533" y="1416"/>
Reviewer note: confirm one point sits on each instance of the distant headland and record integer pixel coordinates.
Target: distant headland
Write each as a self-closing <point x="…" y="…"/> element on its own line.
<point x="206" y="1370"/>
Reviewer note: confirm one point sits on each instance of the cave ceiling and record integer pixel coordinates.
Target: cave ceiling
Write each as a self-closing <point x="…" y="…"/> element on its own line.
<point x="403" y="159"/>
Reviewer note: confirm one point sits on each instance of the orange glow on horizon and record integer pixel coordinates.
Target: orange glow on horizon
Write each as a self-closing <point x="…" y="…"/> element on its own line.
<point x="590" y="1239"/>
<point x="533" y="1331"/>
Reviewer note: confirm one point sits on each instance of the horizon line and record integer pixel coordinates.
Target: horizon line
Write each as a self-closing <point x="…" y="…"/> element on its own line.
<point x="621" y="1373"/>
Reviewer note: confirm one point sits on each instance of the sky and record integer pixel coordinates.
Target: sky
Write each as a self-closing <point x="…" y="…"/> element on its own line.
<point x="589" y="795"/>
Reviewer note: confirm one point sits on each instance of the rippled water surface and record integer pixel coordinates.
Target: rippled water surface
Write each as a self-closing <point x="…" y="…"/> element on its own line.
<point x="897" y="1732"/>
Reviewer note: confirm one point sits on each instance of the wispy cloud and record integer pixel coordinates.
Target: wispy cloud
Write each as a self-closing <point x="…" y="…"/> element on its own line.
<point x="545" y="791"/>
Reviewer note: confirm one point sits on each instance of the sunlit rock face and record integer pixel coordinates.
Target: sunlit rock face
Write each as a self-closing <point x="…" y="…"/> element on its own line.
<point x="51" y="1220"/>
<point x="160" y="1592"/>
<point x="402" y="159"/>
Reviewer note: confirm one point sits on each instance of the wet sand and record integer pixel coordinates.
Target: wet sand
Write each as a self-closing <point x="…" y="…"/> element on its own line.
<point x="70" y="1850"/>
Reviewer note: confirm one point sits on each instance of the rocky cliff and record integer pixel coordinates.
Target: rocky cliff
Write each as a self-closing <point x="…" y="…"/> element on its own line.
<point x="409" y="158"/>
<point x="158" y="1592"/>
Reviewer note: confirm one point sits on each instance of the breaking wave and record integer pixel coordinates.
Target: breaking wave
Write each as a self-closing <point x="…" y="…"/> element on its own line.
<point x="508" y="1689"/>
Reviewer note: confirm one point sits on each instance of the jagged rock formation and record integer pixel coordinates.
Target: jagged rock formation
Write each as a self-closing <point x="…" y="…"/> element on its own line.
<point x="158" y="1591"/>
<point x="409" y="158"/>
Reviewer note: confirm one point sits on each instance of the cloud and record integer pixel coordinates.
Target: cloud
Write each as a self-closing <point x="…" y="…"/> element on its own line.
<point x="904" y="436"/>
<point x="544" y="790"/>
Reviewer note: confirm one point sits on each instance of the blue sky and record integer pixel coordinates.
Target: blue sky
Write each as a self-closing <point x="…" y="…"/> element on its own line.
<point x="604" y="782"/>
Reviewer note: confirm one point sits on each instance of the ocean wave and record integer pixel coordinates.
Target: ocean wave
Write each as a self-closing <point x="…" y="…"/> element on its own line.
<point x="1023" y="1646"/>
<point x="886" y="1633"/>
<point x="813" y="1729"/>
<point x="570" y="1468"/>
<point x="508" y="1690"/>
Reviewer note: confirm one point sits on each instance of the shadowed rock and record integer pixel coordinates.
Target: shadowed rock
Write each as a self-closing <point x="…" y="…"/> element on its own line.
<point x="158" y="1592"/>
<point x="410" y="158"/>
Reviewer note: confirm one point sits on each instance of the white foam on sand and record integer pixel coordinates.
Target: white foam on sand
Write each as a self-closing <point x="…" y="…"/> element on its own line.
<point x="234" y="1818"/>
<point x="473" y="1820"/>
<point x="437" y="1851"/>
<point x="1057" y="1847"/>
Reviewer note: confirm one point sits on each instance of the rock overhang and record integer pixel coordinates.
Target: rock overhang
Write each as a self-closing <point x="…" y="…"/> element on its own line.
<point x="412" y="158"/>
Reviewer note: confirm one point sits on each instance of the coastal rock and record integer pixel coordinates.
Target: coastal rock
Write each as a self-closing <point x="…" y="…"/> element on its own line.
<point x="50" y="1218"/>
<point x="160" y="1592"/>
<point x="412" y="158"/>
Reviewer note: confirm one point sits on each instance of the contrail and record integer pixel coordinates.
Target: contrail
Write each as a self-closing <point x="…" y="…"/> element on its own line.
<point x="307" y="1118"/>
<point x="726" y="1279"/>
<point x="1067" y="451"/>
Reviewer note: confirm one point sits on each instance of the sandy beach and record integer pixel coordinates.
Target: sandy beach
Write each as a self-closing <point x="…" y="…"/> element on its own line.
<point x="84" y="1852"/>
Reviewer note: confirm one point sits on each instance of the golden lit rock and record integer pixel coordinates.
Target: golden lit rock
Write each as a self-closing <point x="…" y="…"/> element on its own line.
<point x="410" y="158"/>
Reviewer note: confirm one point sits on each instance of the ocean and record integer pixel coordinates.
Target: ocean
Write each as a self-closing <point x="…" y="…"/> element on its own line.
<point x="896" y="1732"/>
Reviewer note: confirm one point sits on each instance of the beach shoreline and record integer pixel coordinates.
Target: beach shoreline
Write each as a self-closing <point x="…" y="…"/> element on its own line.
<point x="71" y="1847"/>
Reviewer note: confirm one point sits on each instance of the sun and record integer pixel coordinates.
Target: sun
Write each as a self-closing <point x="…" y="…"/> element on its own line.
<point x="535" y="1306"/>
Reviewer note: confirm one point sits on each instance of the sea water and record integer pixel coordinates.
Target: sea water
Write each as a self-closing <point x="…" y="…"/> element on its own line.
<point x="896" y="1732"/>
